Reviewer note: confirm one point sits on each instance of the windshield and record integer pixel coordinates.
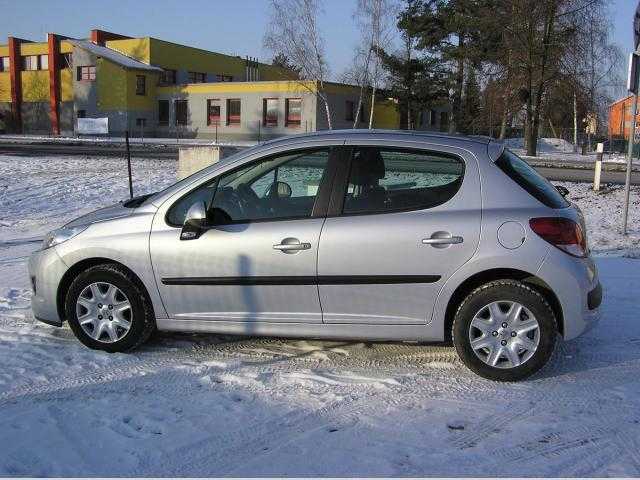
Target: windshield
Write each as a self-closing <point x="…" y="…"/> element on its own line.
<point x="530" y="180"/>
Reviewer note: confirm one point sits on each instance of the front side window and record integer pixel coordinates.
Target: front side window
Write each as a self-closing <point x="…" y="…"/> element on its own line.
<point x="66" y="60"/>
<point x="5" y="64"/>
<point x="384" y="180"/>
<point x="284" y="186"/>
<point x="270" y="112"/>
<point x="141" y="85"/>
<point x="530" y="180"/>
<point x="224" y="78"/>
<point x="293" y="112"/>
<point x="44" y="62"/>
<point x="233" y="112"/>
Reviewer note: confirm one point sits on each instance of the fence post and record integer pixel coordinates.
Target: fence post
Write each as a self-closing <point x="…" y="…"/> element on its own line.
<point x="598" y="167"/>
<point x="126" y="138"/>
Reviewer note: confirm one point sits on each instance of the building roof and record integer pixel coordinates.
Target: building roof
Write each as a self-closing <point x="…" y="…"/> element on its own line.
<point x="113" y="56"/>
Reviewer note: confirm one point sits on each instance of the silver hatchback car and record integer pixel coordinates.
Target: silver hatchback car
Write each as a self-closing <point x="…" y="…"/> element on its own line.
<point x="378" y="235"/>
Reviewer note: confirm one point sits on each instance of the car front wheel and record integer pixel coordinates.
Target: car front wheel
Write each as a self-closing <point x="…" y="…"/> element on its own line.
<point x="108" y="310"/>
<point x="504" y="330"/>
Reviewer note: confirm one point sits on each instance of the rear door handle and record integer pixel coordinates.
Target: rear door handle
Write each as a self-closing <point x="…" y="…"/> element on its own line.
<point x="442" y="239"/>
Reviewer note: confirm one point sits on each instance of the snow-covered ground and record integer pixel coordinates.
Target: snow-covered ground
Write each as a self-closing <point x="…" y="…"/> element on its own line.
<point x="199" y="405"/>
<point x="560" y="150"/>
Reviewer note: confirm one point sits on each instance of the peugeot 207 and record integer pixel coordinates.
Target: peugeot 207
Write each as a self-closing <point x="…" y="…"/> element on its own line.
<point x="339" y="235"/>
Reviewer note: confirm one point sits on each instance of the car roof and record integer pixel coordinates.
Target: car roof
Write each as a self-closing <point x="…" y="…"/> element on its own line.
<point x="489" y="145"/>
<point x="353" y="134"/>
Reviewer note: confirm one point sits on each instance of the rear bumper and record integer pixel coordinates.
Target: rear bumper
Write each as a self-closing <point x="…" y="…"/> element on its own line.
<point x="576" y="284"/>
<point x="46" y="270"/>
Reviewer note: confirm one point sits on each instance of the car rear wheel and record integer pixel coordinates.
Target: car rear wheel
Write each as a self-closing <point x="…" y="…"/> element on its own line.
<point x="108" y="310"/>
<point x="504" y="330"/>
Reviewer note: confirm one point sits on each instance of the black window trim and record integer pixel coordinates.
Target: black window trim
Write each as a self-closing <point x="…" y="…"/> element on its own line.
<point x="320" y="205"/>
<point x="341" y="182"/>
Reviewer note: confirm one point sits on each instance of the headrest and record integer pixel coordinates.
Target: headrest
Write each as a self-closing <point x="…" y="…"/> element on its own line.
<point x="367" y="166"/>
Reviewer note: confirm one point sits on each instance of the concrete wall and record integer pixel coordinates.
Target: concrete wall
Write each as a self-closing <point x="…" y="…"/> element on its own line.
<point x="193" y="159"/>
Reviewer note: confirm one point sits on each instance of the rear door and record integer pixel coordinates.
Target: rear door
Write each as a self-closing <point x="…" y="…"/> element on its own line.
<point x="401" y="221"/>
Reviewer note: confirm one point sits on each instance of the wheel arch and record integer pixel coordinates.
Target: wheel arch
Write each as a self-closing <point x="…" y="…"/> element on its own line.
<point x="486" y="276"/>
<point x="79" y="267"/>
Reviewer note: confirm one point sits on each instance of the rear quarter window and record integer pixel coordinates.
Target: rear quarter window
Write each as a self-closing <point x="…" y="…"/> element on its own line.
<point x="530" y="180"/>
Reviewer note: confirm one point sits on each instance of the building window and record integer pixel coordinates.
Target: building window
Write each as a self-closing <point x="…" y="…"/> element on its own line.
<point x="5" y="64"/>
<point x="270" y="112"/>
<point x="141" y="85"/>
<point x="197" y="77"/>
<point x="141" y="122"/>
<point x="66" y="60"/>
<point x="213" y="112"/>
<point x="182" y="112"/>
<point x="30" y="62"/>
<point x="433" y="119"/>
<point x="168" y="77"/>
<point x="163" y="112"/>
<point x="349" y="113"/>
<point x="81" y="114"/>
<point x="293" y="112"/>
<point x="86" y="73"/>
<point x="224" y="78"/>
<point x="233" y="111"/>
<point x="43" y="62"/>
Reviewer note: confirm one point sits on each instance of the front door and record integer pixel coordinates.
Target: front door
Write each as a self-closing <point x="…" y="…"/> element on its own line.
<point x="257" y="260"/>
<point x="404" y="221"/>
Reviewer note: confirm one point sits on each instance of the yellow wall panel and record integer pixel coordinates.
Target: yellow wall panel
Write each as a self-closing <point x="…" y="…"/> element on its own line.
<point x="112" y="85"/>
<point x="239" y="87"/>
<point x="137" y="48"/>
<point x="4" y="50"/>
<point x="35" y="86"/>
<point x="66" y="47"/>
<point x="386" y="115"/>
<point x="66" y="85"/>
<point x="5" y="87"/>
<point x="179" y="57"/>
<point x="39" y="48"/>
<point x="141" y="102"/>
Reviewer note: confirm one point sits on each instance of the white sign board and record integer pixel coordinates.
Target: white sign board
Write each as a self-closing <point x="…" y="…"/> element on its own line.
<point x="92" y="126"/>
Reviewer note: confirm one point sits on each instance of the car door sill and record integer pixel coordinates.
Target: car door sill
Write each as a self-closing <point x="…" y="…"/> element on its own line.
<point x="358" y="331"/>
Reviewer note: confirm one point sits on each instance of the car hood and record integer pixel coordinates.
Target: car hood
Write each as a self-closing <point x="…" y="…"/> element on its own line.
<point x="107" y="213"/>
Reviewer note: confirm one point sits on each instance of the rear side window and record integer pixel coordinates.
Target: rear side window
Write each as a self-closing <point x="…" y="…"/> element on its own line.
<point x="524" y="175"/>
<point x="383" y="180"/>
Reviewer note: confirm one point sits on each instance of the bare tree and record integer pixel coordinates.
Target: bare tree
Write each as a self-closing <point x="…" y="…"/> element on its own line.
<point x="293" y="32"/>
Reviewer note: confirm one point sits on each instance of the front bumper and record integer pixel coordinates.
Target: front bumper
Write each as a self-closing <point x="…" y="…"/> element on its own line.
<point x="576" y="284"/>
<point x="46" y="270"/>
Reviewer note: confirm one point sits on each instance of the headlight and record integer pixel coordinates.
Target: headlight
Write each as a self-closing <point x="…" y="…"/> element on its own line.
<point x="60" y="235"/>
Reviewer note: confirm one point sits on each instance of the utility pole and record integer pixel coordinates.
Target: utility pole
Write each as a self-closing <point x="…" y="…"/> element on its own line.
<point x="632" y="84"/>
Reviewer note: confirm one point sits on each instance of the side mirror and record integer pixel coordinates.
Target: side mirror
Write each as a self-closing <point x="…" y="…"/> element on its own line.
<point x="564" y="191"/>
<point x="194" y="222"/>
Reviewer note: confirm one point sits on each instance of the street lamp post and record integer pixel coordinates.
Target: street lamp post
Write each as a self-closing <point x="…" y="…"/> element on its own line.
<point x="632" y="85"/>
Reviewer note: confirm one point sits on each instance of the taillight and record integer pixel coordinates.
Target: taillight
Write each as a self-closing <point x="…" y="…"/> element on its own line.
<point x="563" y="233"/>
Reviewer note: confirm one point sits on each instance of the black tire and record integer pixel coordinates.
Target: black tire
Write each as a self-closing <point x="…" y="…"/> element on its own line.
<point x="142" y="322"/>
<point x="505" y="290"/>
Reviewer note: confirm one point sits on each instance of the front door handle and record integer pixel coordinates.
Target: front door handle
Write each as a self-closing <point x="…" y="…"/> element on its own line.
<point x="442" y="240"/>
<point x="291" y="245"/>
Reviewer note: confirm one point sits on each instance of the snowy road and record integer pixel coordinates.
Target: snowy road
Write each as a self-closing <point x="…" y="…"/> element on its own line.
<point x="210" y="405"/>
